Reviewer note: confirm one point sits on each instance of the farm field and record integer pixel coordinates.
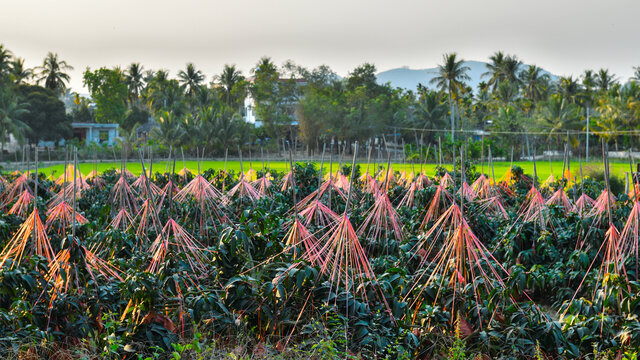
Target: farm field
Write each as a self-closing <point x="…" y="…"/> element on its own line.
<point x="305" y="266"/>
<point x="618" y="169"/>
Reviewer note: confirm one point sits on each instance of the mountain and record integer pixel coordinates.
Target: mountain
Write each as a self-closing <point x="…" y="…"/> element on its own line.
<point x="410" y="78"/>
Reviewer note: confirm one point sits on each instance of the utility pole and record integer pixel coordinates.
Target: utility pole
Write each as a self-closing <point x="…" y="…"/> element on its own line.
<point x="588" y="121"/>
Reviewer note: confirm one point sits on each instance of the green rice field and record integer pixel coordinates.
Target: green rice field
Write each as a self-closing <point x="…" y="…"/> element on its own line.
<point x="544" y="169"/>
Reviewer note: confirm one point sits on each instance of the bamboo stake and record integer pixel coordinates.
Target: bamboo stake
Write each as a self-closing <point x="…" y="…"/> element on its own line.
<point x="440" y="153"/>
<point x="549" y="157"/>
<point x="150" y="163"/>
<point x="224" y="175"/>
<point x="173" y="173"/>
<point x="386" y="178"/>
<point x="535" y="170"/>
<point x="413" y="165"/>
<point x="262" y="156"/>
<point x="493" y="173"/>
<point x="35" y="195"/>
<point x="184" y="163"/>
<point x="511" y="166"/>
<point x="368" y="159"/>
<point x="293" y="186"/>
<point x="75" y="184"/>
<point x="324" y="147"/>
<point x="581" y="177"/>
<point x="95" y="163"/>
<point x="154" y="211"/>
<point x="66" y="165"/>
<point x="633" y="181"/>
<point x="330" y="172"/>
<point x="198" y="159"/>
<point x="482" y="155"/>
<point x="605" y="155"/>
<point x="166" y="168"/>
<point x="241" y="168"/>
<point x="353" y="171"/>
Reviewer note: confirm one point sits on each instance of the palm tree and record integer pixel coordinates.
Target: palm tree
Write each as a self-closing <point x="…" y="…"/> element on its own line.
<point x="190" y="79"/>
<point x="265" y="66"/>
<point x="494" y="69"/>
<point x="135" y="81"/>
<point x="636" y="73"/>
<point x="558" y="115"/>
<point x="204" y="97"/>
<point x="508" y="119"/>
<point x="569" y="88"/>
<point x="481" y="105"/>
<point x="610" y="121"/>
<point x="228" y="79"/>
<point x="451" y="76"/>
<point x="171" y="130"/>
<point x="507" y="93"/>
<point x="18" y="72"/>
<point x="156" y="86"/>
<point x="10" y="110"/>
<point x="604" y="80"/>
<point x="430" y="111"/>
<point x="534" y="83"/>
<point x="52" y="72"/>
<point x="511" y="69"/>
<point x="5" y="63"/>
<point x="502" y="68"/>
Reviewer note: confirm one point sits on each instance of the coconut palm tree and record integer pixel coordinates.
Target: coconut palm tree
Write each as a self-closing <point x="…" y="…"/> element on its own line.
<point x="494" y="69"/>
<point x="190" y="79"/>
<point x="507" y="93"/>
<point x="52" y="72"/>
<point x="636" y="73"/>
<point x="508" y="119"/>
<point x="430" y="111"/>
<point x="227" y="126"/>
<point x="265" y="67"/>
<point x="481" y="105"/>
<point x="5" y="63"/>
<point x="204" y="97"/>
<point x="569" y="88"/>
<point x="604" y="80"/>
<point x="19" y="73"/>
<point x="171" y="130"/>
<point x="610" y="122"/>
<point x="557" y="116"/>
<point x="451" y="76"/>
<point x="534" y="83"/>
<point x="164" y="94"/>
<point x="135" y="81"/>
<point x="511" y="69"/>
<point x="10" y="111"/>
<point x="502" y="68"/>
<point x="228" y="79"/>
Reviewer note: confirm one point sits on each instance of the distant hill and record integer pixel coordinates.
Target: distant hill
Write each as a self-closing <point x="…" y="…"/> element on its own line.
<point x="410" y="78"/>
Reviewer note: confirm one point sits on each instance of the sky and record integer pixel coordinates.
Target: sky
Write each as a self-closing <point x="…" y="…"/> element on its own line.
<point x="563" y="36"/>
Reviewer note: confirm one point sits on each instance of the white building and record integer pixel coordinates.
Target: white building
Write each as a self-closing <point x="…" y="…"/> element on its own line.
<point x="96" y="133"/>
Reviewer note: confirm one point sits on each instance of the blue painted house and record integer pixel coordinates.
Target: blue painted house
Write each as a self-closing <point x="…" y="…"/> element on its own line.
<point x="96" y="133"/>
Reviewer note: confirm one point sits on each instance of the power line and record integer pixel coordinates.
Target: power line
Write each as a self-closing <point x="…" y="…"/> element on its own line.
<point x="563" y="132"/>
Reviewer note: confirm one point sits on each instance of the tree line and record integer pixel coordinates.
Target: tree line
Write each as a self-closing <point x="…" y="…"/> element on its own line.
<point x="316" y="106"/>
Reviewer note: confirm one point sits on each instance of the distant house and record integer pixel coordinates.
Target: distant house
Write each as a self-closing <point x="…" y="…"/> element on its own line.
<point x="95" y="133"/>
<point x="143" y="131"/>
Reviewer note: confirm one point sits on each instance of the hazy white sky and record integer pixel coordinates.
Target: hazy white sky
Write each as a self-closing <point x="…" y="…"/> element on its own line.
<point x="562" y="36"/>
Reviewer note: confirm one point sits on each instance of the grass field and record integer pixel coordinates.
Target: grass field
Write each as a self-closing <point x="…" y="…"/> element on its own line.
<point x="543" y="169"/>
